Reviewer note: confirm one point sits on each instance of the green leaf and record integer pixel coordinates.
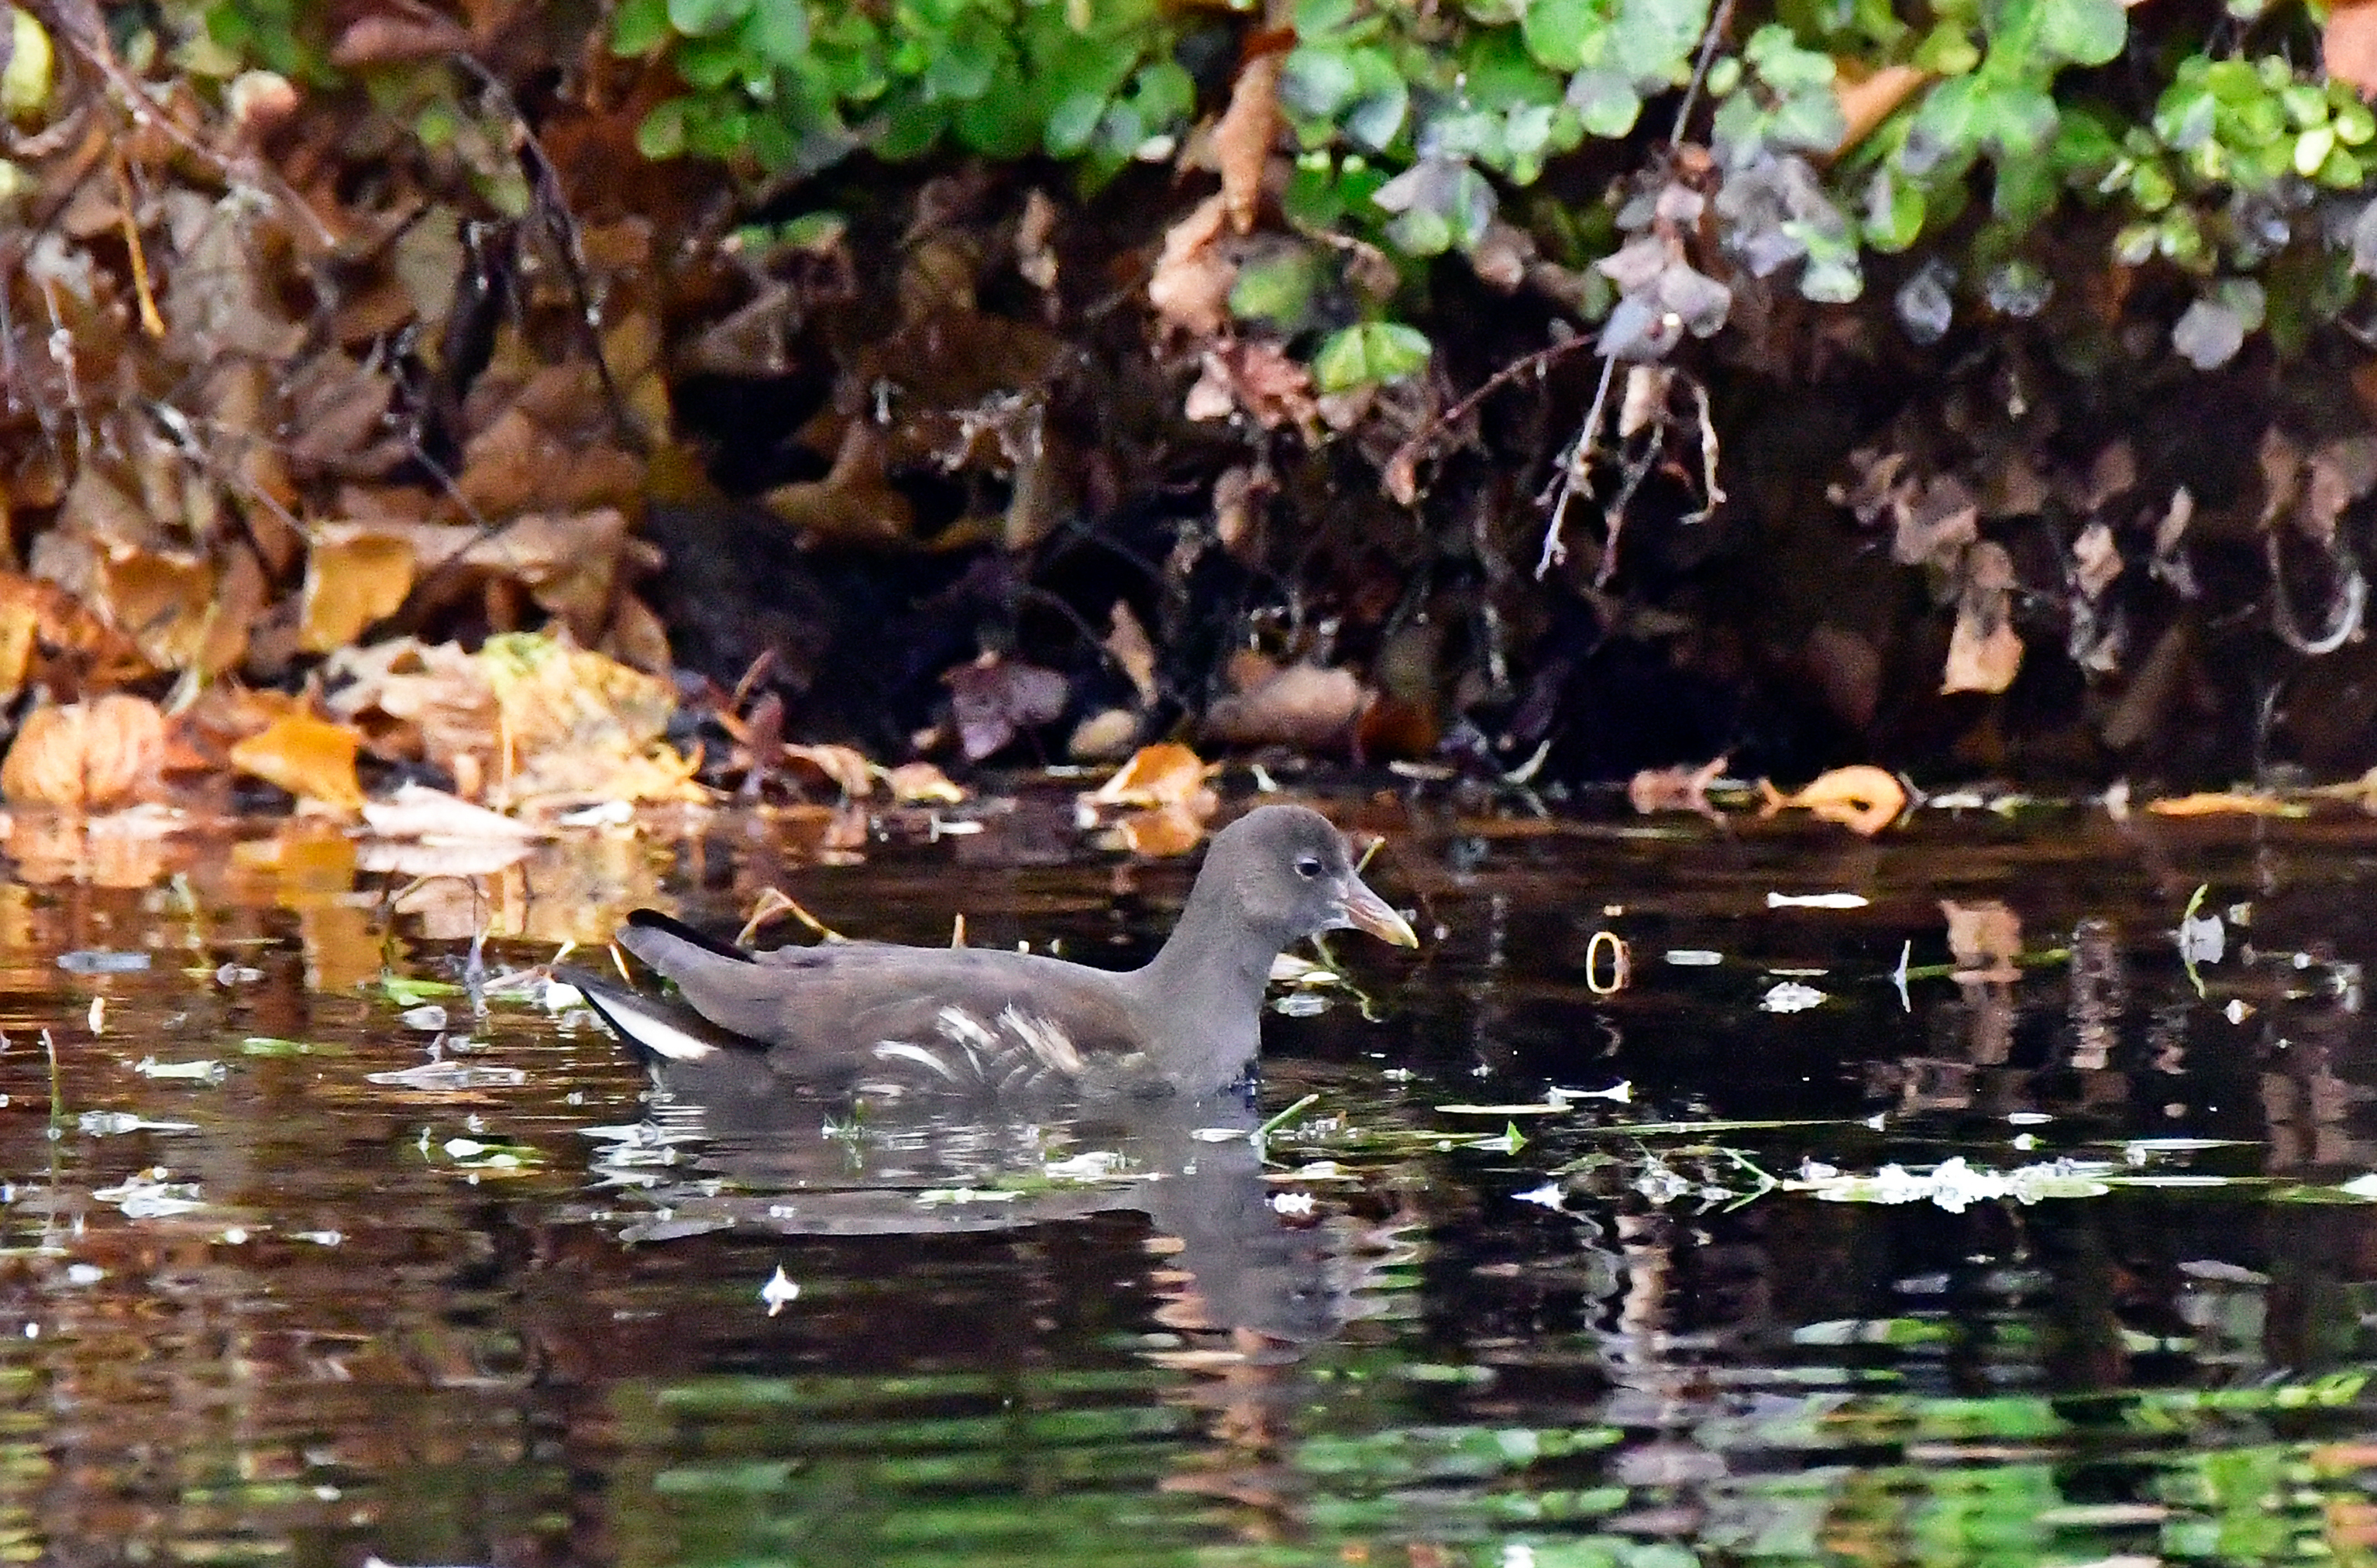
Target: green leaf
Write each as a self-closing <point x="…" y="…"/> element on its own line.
<point x="1071" y="122"/>
<point x="969" y="58"/>
<point x="778" y="32"/>
<point x="1653" y="38"/>
<point x="1317" y="81"/>
<point x="661" y="135"/>
<point x="1556" y="31"/>
<point x="1278" y="290"/>
<point x="2087" y="32"/>
<point x="700" y="18"/>
<point x="639" y="26"/>
<point x="709" y="63"/>
<point x="1893" y="213"/>
<point x="1369" y="352"/>
<point x="1947" y="50"/>
<point x="1606" y="100"/>
<point x="1003" y="120"/>
<point x="1314" y="18"/>
<point x="2016" y="119"/>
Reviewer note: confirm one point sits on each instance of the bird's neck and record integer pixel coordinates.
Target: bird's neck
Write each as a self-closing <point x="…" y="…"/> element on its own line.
<point x="1206" y="990"/>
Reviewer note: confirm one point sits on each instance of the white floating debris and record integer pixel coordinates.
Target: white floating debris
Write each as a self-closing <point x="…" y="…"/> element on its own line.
<point x="932" y="1197"/>
<point x="429" y="1018"/>
<point x="149" y="1196"/>
<point x="780" y="1291"/>
<point x="85" y="1274"/>
<point x="2202" y="939"/>
<point x="2360" y="1186"/>
<point x="110" y="1123"/>
<point x="609" y="814"/>
<point x="1218" y="1134"/>
<point x="1693" y="958"/>
<point x="1792" y="997"/>
<point x="1816" y="900"/>
<point x="1547" y="1196"/>
<point x="1621" y="1093"/>
<point x="2238" y="1011"/>
<point x="1547" y="1107"/>
<point x="100" y="960"/>
<point x="1955" y="1185"/>
<point x="442" y="1077"/>
<point x="237" y="975"/>
<point x="2028" y="1117"/>
<point x="1293" y="1203"/>
<point x="1092" y="1164"/>
<point x="206" y="1071"/>
<point x="560" y="996"/>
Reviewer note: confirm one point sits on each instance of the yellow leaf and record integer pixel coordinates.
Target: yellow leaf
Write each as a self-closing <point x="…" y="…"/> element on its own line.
<point x="310" y="757"/>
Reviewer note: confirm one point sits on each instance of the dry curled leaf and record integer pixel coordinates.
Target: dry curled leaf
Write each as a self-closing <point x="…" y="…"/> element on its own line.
<point x="1166" y="773"/>
<point x="84" y="756"/>
<point x="1679" y="788"/>
<point x="1242" y="140"/>
<point x="1863" y="798"/>
<point x="312" y="759"/>
<point x="844" y="767"/>
<point x="1983" y="649"/>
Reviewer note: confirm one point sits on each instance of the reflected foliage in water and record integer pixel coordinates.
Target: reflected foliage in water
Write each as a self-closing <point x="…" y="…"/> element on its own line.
<point x="271" y="1292"/>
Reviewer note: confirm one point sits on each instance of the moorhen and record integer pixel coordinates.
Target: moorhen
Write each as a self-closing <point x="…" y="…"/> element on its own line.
<point x="891" y="1021"/>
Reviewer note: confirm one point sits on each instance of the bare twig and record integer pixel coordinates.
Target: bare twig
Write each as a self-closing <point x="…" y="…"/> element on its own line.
<point x="1719" y="20"/>
<point x="1577" y="470"/>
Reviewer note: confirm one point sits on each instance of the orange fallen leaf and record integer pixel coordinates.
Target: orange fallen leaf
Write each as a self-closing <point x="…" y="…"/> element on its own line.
<point x="312" y="759"/>
<point x="353" y="576"/>
<point x="1868" y="100"/>
<point x="1863" y="798"/>
<point x="1165" y="832"/>
<point x="1166" y="773"/>
<point x="84" y="756"/>
<point x="2225" y="803"/>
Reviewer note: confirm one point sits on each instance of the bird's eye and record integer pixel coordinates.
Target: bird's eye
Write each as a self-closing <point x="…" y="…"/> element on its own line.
<point x="1309" y="867"/>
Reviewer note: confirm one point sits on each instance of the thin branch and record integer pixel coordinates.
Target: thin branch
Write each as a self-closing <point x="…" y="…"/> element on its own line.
<point x="1718" y="21"/>
<point x="1577" y="468"/>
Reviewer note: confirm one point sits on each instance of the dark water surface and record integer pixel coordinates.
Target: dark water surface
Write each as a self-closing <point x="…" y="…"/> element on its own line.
<point x="272" y="1293"/>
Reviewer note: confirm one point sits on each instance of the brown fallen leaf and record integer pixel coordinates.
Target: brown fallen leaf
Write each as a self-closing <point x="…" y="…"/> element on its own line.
<point x="1676" y="789"/>
<point x="1190" y="286"/>
<point x="2226" y="803"/>
<point x="84" y="756"/>
<point x="844" y="767"/>
<point x="1861" y="798"/>
<point x="994" y="700"/>
<point x="2347" y="46"/>
<point x="1984" y="650"/>
<point x="1242" y="138"/>
<point x="920" y="783"/>
<point x="312" y="759"/>
<point x="1166" y="773"/>
<point x="1303" y="705"/>
<point x="1983" y="939"/>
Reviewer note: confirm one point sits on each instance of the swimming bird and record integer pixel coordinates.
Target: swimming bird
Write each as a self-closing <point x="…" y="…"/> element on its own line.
<point x="889" y="1021"/>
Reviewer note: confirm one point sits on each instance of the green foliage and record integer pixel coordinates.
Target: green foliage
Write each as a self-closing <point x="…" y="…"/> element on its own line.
<point x="1415" y="126"/>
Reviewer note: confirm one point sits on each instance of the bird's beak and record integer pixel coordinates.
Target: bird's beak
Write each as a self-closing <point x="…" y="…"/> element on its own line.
<point x="1366" y="911"/>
